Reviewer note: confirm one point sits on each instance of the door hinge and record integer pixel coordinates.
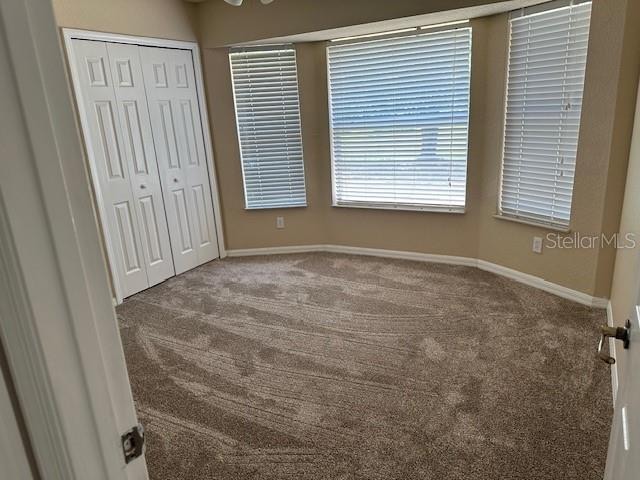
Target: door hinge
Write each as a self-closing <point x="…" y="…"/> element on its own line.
<point x="133" y="443"/>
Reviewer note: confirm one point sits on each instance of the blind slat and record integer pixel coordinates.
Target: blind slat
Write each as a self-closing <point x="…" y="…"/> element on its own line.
<point x="265" y="87"/>
<point x="399" y="120"/>
<point x="547" y="61"/>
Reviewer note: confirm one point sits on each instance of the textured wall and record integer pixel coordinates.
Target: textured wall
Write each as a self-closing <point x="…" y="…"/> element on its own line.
<point x="320" y="223"/>
<point x="220" y="24"/>
<point x="607" y="116"/>
<point x="171" y="19"/>
<point x="619" y="158"/>
<point x="256" y="228"/>
<point x="611" y="82"/>
<point x="625" y="289"/>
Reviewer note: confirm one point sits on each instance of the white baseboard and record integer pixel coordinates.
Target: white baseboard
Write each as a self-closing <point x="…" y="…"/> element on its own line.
<point x="543" y="284"/>
<point x="250" y="252"/>
<point x="402" y="255"/>
<point x="520" y="277"/>
<point x="612" y="352"/>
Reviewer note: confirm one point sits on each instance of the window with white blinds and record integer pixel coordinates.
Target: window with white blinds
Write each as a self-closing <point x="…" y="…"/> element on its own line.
<point x="265" y="86"/>
<point x="399" y="120"/>
<point x="547" y="59"/>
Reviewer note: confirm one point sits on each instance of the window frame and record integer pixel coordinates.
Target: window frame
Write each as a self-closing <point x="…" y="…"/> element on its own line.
<point x="265" y="48"/>
<point x="500" y="214"/>
<point x="408" y="32"/>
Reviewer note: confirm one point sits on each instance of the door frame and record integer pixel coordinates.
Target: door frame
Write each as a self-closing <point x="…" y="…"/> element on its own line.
<point x="70" y="34"/>
<point x="57" y="321"/>
<point x="13" y="453"/>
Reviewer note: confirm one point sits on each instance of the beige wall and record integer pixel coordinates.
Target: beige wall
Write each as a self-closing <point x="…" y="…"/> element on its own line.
<point x="220" y="24"/>
<point x="171" y="19"/>
<point x="625" y="288"/>
<point x="430" y="232"/>
<point x="610" y="86"/>
<point x="628" y="68"/>
<point x="319" y="223"/>
<point x="611" y="82"/>
<point x="256" y="228"/>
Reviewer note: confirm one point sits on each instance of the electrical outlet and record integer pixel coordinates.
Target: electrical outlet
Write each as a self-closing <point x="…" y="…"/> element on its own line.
<point x="279" y="222"/>
<point x="537" y="245"/>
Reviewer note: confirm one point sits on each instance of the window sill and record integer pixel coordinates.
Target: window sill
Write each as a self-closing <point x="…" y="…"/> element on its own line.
<point x="277" y="207"/>
<point x="533" y="223"/>
<point x="402" y="208"/>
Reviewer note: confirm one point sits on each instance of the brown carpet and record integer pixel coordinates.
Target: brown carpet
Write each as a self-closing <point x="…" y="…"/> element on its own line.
<point x="321" y="366"/>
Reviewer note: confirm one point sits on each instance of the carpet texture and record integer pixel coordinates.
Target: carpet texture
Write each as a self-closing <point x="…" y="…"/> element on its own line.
<point x="326" y="367"/>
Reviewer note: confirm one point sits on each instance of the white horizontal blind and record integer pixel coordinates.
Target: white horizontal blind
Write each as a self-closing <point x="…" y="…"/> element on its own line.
<point x="399" y="120"/>
<point x="265" y="86"/>
<point x="547" y="61"/>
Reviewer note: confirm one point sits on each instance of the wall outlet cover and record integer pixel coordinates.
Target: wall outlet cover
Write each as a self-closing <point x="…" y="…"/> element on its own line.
<point x="537" y="245"/>
<point x="279" y="222"/>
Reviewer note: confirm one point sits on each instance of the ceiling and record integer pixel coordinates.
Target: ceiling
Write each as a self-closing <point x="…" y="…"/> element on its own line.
<point x="398" y="23"/>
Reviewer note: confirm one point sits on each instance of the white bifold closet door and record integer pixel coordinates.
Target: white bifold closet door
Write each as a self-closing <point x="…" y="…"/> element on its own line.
<point x="170" y="83"/>
<point x="144" y="135"/>
<point x="122" y="149"/>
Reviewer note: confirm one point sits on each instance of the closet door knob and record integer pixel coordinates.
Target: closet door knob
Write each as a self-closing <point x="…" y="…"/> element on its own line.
<point x="143" y="186"/>
<point x="175" y="180"/>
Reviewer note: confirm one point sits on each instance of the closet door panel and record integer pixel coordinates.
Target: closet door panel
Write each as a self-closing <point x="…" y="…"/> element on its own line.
<point x="110" y="165"/>
<point x="170" y="159"/>
<point x="141" y="159"/>
<point x="170" y="81"/>
<point x="180" y="203"/>
<point x="197" y="171"/>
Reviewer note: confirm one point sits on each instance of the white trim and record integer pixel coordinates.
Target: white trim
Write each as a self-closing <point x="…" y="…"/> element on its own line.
<point x="403" y="207"/>
<point x="13" y="456"/>
<point x="543" y="284"/>
<point x="613" y="353"/>
<point x="60" y="332"/>
<point x="402" y="255"/>
<point x="418" y="31"/>
<point x="404" y="32"/>
<point x="237" y="129"/>
<point x="251" y="252"/>
<point x="69" y="35"/>
<point x="270" y="47"/>
<point x="533" y="223"/>
<point x="334" y="192"/>
<point x="527" y="218"/>
<point x="520" y="277"/>
<point x="543" y="7"/>
<point x="93" y="167"/>
<point x="208" y="146"/>
<point x="27" y="363"/>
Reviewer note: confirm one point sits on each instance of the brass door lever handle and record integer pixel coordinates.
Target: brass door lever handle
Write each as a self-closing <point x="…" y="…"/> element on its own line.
<point x="619" y="333"/>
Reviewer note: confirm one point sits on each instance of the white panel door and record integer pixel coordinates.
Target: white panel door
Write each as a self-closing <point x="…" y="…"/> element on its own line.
<point x="623" y="461"/>
<point x="139" y="151"/>
<point x="110" y="166"/>
<point x="177" y="129"/>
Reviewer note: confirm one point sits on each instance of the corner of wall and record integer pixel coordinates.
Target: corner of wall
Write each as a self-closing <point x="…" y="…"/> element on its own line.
<point x="170" y="19"/>
<point x="477" y="234"/>
<point x="626" y="92"/>
<point x="495" y="52"/>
